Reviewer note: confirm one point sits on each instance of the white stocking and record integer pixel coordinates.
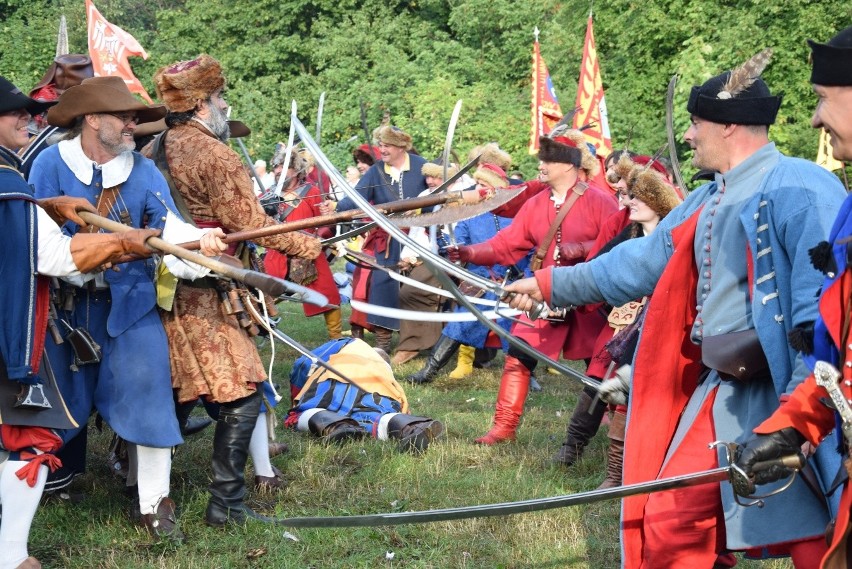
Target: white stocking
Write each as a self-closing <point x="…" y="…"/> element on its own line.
<point x="259" y="448"/>
<point x="154" y="469"/>
<point x="19" y="506"/>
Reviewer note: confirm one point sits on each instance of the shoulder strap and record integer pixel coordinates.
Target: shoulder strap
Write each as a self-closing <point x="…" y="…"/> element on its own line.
<point x="158" y="155"/>
<point x="578" y="190"/>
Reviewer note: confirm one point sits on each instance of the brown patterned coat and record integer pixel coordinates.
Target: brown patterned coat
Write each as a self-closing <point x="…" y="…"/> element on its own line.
<point x="211" y="355"/>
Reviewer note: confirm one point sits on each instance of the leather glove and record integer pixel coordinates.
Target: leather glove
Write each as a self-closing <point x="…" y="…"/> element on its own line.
<point x="572" y="252"/>
<point x="615" y="390"/>
<point x="64" y="208"/>
<point x="787" y="441"/>
<point x="479" y="254"/>
<point x="96" y="251"/>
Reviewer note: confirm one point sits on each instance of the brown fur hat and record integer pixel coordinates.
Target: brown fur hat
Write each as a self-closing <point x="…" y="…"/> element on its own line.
<point x="435" y="169"/>
<point x="491" y="153"/>
<point x="181" y="85"/>
<point x="649" y="186"/>
<point x="491" y="175"/>
<point x="366" y="154"/>
<point x="392" y="136"/>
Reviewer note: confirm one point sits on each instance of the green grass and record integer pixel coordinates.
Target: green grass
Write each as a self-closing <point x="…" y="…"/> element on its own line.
<point x="360" y="478"/>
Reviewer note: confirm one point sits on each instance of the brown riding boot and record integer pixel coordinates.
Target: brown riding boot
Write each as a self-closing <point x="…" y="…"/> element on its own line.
<point x="615" y="454"/>
<point x="583" y="426"/>
<point x="383" y="338"/>
<point x="357" y="331"/>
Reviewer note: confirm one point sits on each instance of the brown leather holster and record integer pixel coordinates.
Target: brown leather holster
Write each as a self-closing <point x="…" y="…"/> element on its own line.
<point x="737" y="355"/>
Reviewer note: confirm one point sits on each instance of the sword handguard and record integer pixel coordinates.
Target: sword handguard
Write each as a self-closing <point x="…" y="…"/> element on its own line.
<point x="827" y="376"/>
<point x="743" y="484"/>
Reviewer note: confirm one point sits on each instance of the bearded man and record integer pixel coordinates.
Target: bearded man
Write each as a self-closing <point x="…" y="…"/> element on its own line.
<point x="212" y="355"/>
<point x="129" y="384"/>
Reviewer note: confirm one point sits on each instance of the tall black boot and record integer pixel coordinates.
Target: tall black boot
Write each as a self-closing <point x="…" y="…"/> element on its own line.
<point x="333" y="427"/>
<point x="442" y="353"/>
<point x="190" y="425"/>
<point x="414" y="433"/>
<point x="230" y="450"/>
<point x="584" y="424"/>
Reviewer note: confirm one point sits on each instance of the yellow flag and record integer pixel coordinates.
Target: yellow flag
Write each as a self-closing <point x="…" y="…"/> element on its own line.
<point x="824" y="156"/>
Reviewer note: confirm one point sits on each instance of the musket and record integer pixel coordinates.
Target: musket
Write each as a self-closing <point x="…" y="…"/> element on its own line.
<point x="268" y="284"/>
<point x="441" y="267"/>
<point x="742" y="483"/>
<point x="339" y="217"/>
<point x="675" y="163"/>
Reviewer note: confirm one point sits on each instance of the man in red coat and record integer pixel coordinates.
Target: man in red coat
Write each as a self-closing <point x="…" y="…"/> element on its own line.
<point x="563" y="160"/>
<point x="805" y="416"/>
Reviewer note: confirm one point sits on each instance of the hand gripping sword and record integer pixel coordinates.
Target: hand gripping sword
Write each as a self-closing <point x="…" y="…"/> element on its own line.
<point x="438" y="264"/>
<point x="743" y="486"/>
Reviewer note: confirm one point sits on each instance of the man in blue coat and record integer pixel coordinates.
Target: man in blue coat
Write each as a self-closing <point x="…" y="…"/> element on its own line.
<point x="130" y="382"/>
<point x="731" y="278"/>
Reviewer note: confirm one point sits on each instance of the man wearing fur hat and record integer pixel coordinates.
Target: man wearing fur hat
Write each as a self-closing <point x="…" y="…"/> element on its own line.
<point x="396" y="175"/>
<point x="732" y="264"/>
<point x="560" y="221"/>
<point x="212" y="356"/>
<point x="130" y="384"/>
<point x="804" y="417"/>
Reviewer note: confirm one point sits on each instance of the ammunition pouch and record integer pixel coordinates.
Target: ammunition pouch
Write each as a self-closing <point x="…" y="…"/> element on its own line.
<point x="737" y="355"/>
<point x="86" y="350"/>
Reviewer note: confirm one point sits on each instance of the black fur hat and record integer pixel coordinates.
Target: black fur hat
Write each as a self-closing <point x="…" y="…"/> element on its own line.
<point x="832" y="61"/>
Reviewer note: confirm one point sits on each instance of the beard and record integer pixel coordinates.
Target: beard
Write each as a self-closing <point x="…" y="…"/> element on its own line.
<point x="217" y="122"/>
<point x="113" y="142"/>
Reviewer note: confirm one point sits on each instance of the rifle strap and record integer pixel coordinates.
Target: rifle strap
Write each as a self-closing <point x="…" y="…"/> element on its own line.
<point x="158" y="155"/>
<point x="578" y="190"/>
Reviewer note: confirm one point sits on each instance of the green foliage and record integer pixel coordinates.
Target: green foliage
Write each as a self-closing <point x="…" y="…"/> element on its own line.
<point x="413" y="59"/>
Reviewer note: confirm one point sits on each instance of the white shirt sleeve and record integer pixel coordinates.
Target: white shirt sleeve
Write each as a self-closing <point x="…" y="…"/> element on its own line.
<point x="54" y="248"/>
<point x="177" y="231"/>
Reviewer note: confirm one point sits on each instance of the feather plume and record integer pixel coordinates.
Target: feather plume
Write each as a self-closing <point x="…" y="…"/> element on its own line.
<point x="743" y="76"/>
<point x="560" y="127"/>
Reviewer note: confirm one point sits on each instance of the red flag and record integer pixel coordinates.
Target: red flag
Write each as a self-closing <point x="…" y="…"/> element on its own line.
<point x="545" y="107"/>
<point x="590" y="98"/>
<point x="109" y="48"/>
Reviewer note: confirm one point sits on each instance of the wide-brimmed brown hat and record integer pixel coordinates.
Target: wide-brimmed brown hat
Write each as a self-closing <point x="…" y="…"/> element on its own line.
<point x="65" y="72"/>
<point x="100" y="95"/>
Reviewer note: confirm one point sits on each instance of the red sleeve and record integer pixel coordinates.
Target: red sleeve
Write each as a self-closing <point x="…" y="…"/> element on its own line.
<point x="513" y="206"/>
<point x="544" y="278"/>
<point x="804" y="411"/>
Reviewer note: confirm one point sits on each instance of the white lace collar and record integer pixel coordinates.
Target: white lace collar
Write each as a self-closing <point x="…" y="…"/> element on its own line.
<point x="115" y="172"/>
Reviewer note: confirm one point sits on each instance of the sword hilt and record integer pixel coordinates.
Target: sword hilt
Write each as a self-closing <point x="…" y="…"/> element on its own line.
<point x="791" y="462"/>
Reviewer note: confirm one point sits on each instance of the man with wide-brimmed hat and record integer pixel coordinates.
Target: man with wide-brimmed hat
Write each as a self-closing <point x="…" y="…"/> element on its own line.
<point x="804" y="417"/>
<point x="129" y="381"/>
<point x="212" y="355"/>
<point x="731" y="279"/>
<point x="35" y="249"/>
<point x="396" y="174"/>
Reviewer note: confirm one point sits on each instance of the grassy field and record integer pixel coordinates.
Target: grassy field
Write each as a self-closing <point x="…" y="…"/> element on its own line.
<point x="365" y="477"/>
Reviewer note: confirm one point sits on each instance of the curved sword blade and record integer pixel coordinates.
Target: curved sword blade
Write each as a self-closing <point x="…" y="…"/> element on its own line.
<point x="417" y="315"/>
<point x="508" y="508"/>
<point x="670" y="92"/>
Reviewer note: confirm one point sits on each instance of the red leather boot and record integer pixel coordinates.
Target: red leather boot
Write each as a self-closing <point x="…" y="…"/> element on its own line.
<point x="514" y="386"/>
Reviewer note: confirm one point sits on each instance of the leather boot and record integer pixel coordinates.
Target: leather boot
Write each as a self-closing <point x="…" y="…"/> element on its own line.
<point x="441" y="354"/>
<point x="190" y="425"/>
<point x="333" y="323"/>
<point x="383" y="338"/>
<point x="464" y="364"/>
<point x="514" y="386"/>
<point x="230" y="451"/>
<point x="163" y="522"/>
<point x="357" y="331"/>
<point x="335" y="428"/>
<point x="414" y="433"/>
<point x="615" y="453"/>
<point x="584" y="424"/>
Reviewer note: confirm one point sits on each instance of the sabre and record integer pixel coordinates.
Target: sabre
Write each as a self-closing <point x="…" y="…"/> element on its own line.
<point x="445" y="164"/>
<point x="670" y="92"/>
<point x="289" y="150"/>
<point x="743" y="486"/>
<point x="420" y="316"/>
<point x="268" y="284"/>
<point x="319" y="130"/>
<point x="436" y="264"/>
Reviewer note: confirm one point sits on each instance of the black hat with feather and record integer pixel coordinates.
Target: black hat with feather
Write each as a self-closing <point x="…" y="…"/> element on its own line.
<point x="832" y="61"/>
<point x="739" y="96"/>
